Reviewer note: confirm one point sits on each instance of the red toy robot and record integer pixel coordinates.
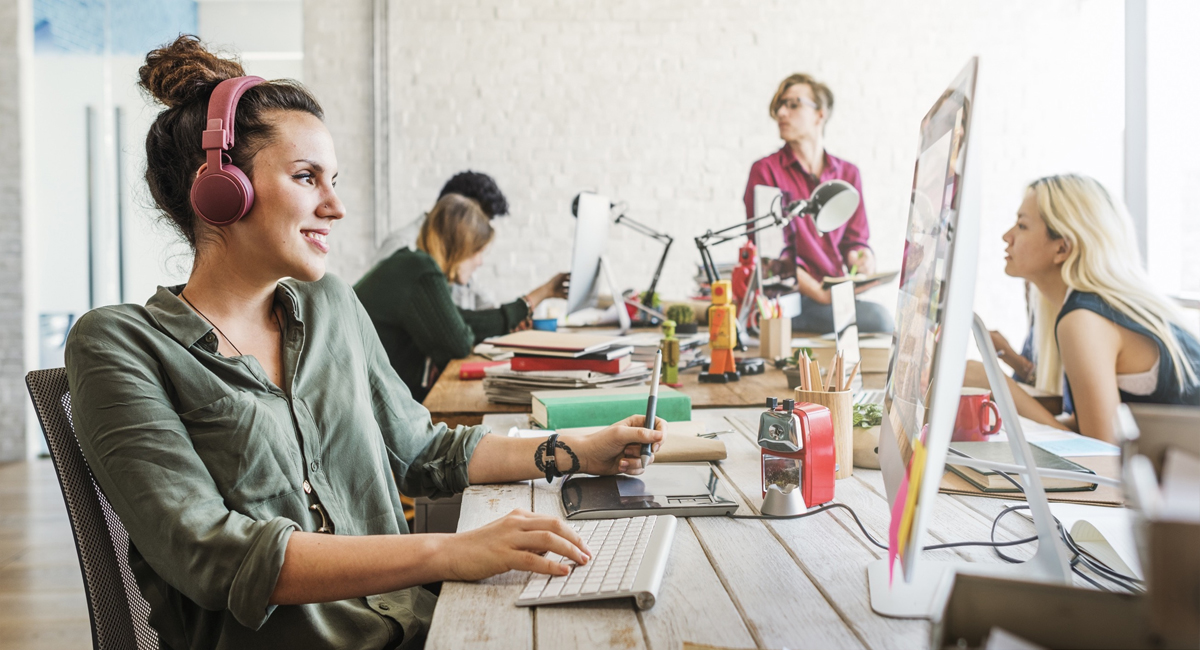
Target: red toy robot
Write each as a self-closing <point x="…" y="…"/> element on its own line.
<point x="743" y="273"/>
<point x="797" y="451"/>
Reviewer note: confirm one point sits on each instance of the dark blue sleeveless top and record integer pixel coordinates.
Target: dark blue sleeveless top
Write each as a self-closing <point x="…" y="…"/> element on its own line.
<point x="1168" y="390"/>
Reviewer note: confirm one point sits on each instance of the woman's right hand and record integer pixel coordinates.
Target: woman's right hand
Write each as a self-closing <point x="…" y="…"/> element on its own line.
<point x="515" y="541"/>
<point x="555" y="288"/>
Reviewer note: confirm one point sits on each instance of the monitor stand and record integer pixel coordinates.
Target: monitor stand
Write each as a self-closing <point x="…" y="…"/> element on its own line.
<point x="625" y="323"/>
<point x="924" y="594"/>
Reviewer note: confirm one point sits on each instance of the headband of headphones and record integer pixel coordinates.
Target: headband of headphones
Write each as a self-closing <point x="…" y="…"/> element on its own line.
<point x="222" y="193"/>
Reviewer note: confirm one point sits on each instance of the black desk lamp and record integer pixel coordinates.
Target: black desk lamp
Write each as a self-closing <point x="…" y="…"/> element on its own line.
<point x="830" y="207"/>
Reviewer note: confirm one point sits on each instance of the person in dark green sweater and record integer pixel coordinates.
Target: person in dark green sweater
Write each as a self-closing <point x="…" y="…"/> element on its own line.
<point x="408" y="296"/>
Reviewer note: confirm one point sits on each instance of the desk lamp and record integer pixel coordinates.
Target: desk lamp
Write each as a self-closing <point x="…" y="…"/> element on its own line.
<point x="830" y="207"/>
<point x="640" y="228"/>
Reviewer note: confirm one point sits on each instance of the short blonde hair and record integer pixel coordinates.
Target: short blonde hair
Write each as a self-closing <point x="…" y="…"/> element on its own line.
<point x="821" y="93"/>
<point x="454" y="231"/>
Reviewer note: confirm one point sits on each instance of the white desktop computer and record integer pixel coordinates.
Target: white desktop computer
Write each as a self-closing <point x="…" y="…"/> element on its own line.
<point x="588" y="262"/>
<point x="934" y="325"/>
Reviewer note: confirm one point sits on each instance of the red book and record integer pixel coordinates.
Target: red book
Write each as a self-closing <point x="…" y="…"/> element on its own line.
<point x="609" y="366"/>
<point x="474" y="369"/>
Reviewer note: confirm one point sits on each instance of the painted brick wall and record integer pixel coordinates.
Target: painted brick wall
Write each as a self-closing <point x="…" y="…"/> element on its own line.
<point x="12" y="343"/>
<point x="663" y="105"/>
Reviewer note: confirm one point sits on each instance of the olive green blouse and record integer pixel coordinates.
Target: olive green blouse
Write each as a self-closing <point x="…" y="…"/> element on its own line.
<point x="210" y="466"/>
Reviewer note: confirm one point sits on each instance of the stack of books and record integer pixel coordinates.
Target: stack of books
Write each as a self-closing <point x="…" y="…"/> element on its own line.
<point x="560" y="360"/>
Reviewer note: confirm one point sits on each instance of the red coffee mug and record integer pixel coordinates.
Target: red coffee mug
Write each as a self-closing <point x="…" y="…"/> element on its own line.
<point x="971" y="425"/>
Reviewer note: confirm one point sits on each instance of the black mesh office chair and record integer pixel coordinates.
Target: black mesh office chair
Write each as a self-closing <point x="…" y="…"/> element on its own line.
<point x="119" y="613"/>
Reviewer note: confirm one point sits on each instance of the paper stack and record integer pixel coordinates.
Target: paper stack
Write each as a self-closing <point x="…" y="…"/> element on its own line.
<point x="645" y="344"/>
<point x="560" y="361"/>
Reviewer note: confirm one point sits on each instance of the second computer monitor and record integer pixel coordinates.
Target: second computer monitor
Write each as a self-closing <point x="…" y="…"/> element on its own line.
<point x="591" y="238"/>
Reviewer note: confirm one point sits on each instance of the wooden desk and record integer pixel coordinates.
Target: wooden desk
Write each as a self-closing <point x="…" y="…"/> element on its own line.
<point x="738" y="584"/>
<point x="455" y="401"/>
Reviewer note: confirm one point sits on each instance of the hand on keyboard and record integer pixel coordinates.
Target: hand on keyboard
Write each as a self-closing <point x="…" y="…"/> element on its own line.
<point x="515" y="541"/>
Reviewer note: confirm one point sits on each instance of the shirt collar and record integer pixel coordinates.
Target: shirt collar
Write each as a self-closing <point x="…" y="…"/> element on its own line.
<point x="187" y="327"/>
<point x="832" y="165"/>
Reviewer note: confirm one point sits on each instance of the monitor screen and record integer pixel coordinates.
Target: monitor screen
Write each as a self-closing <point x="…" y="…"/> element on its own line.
<point x="933" y="314"/>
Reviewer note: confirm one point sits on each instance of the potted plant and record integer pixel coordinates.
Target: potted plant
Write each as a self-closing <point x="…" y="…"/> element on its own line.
<point x="791" y="366"/>
<point x="868" y="419"/>
<point x="684" y="317"/>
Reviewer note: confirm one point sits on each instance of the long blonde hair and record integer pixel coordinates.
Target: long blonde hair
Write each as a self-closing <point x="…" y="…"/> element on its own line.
<point x="454" y="231"/>
<point x="1103" y="259"/>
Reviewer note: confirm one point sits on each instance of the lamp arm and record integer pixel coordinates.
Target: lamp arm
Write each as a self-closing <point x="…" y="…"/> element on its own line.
<point x="658" y="271"/>
<point x="754" y="223"/>
<point x="643" y="229"/>
<point x="710" y="269"/>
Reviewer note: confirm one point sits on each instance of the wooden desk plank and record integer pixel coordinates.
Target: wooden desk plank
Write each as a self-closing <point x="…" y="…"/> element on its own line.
<point x="481" y="614"/>
<point x="832" y="554"/>
<point x="456" y="401"/>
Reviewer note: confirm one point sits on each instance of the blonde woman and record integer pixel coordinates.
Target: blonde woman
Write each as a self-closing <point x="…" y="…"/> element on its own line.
<point x="408" y="295"/>
<point x="1119" y="338"/>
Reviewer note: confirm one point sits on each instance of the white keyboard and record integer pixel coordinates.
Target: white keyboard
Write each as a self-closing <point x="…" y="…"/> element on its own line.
<point x="629" y="557"/>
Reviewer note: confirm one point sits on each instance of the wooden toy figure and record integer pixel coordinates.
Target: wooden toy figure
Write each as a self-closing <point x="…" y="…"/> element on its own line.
<point x="722" y="336"/>
<point x="743" y="273"/>
<point x="670" y="350"/>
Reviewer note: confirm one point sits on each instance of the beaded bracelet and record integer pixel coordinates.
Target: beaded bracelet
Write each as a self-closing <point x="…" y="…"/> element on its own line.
<point x="546" y="460"/>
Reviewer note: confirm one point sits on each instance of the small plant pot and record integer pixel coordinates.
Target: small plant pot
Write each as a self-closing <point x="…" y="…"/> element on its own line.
<point x="793" y="377"/>
<point x="866" y="447"/>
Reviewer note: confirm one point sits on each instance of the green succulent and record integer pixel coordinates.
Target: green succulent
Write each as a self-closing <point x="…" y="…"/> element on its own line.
<point x="681" y="313"/>
<point x="868" y="415"/>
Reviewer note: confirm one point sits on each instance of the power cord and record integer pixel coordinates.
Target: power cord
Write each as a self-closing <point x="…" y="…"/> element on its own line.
<point x="1128" y="583"/>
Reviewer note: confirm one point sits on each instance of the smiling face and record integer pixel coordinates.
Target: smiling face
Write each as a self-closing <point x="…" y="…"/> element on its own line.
<point x="797" y="114"/>
<point x="1032" y="252"/>
<point x="286" y="232"/>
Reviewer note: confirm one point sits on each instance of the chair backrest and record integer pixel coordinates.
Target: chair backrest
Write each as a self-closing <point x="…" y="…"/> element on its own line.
<point x="119" y="613"/>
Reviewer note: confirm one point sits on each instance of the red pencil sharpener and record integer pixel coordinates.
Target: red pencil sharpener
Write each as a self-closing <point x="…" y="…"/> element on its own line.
<point x="798" y="461"/>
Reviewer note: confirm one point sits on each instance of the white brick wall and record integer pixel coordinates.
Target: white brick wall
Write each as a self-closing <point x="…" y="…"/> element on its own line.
<point x="663" y="104"/>
<point x="12" y="343"/>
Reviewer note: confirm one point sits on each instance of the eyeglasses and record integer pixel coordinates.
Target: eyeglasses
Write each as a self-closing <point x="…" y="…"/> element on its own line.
<point x="794" y="103"/>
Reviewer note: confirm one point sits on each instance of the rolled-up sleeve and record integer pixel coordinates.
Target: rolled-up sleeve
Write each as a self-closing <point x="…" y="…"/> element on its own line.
<point x="143" y="458"/>
<point x="427" y="459"/>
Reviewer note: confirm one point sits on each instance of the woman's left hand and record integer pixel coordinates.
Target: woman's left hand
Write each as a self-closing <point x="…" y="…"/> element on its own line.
<point x="616" y="449"/>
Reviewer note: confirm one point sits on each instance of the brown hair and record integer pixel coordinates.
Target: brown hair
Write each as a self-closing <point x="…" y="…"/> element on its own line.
<point x="454" y="231"/>
<point x="181" y="76"/>
<point x="821" y="93"/>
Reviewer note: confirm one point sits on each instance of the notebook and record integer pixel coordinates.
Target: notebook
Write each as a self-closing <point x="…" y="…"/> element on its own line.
<point x="1000" y="452"/>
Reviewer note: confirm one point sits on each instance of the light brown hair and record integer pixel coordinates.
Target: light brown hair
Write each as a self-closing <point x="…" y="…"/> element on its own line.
<point x="454" y="231"/>
<point x="821" y="93"/>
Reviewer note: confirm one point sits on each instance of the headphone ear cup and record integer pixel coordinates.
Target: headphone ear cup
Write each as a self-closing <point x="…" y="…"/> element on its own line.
<point x="222" y="196"/>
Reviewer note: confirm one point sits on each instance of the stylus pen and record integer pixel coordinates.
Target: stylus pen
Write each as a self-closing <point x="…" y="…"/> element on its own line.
<point x="652" y="404"/>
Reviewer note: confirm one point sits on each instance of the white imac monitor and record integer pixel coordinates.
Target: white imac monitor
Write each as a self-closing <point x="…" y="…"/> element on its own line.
<point x="934" y="325"/>
<point x="591" y="238"/>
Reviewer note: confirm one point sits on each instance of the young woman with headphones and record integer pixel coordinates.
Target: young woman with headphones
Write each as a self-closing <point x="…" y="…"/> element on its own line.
<point x="247" y="427"/>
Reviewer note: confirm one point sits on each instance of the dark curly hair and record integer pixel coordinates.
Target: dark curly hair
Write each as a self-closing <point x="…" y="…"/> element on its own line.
<point x="481" y="188"/>
<point x="182" y="76"/>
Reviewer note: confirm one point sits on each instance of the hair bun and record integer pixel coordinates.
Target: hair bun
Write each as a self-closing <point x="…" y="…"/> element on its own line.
<point x="184" y="71"/>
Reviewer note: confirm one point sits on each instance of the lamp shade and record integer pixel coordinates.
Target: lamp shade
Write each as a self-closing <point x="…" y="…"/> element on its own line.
<point x="832" y="204"/>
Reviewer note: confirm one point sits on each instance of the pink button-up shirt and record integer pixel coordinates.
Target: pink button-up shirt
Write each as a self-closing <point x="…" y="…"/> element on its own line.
<point x="819" y="255"/>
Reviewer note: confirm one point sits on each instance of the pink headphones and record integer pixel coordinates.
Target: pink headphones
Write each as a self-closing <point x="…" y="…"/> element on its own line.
<point x="222" y="193"/>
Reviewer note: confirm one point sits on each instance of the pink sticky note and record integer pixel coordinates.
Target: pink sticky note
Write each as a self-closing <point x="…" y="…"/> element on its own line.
<point x="894" y="526"/>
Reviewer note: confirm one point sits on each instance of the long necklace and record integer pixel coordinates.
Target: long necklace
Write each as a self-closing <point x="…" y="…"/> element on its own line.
<point x="189" y="302"/>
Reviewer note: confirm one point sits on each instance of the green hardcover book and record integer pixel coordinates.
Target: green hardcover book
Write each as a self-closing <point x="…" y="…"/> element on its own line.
<point x="593" y="407"/>
<point x="999" y="452"/>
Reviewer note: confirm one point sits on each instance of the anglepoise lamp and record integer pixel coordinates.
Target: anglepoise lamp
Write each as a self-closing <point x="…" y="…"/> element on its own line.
<point x="641" y="228"/>
<point x="830" y="207"/>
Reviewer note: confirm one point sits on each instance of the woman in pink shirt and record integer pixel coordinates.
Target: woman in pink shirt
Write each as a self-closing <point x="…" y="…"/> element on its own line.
<point x="801" y="107"/>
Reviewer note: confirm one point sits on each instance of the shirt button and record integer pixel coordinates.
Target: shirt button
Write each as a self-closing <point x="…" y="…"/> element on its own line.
<point x="314" y="466"/>
<point x="384" y="606"/>
<point x="210" y="337"/>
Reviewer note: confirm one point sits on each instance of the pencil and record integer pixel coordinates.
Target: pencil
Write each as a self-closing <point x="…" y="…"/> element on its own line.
<point x="829" y="374"/>
<point x="815" y="379"/>
<point x="802" y="368"/>
<point x="853" y="373"/>
<point x="839" y="372"/>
